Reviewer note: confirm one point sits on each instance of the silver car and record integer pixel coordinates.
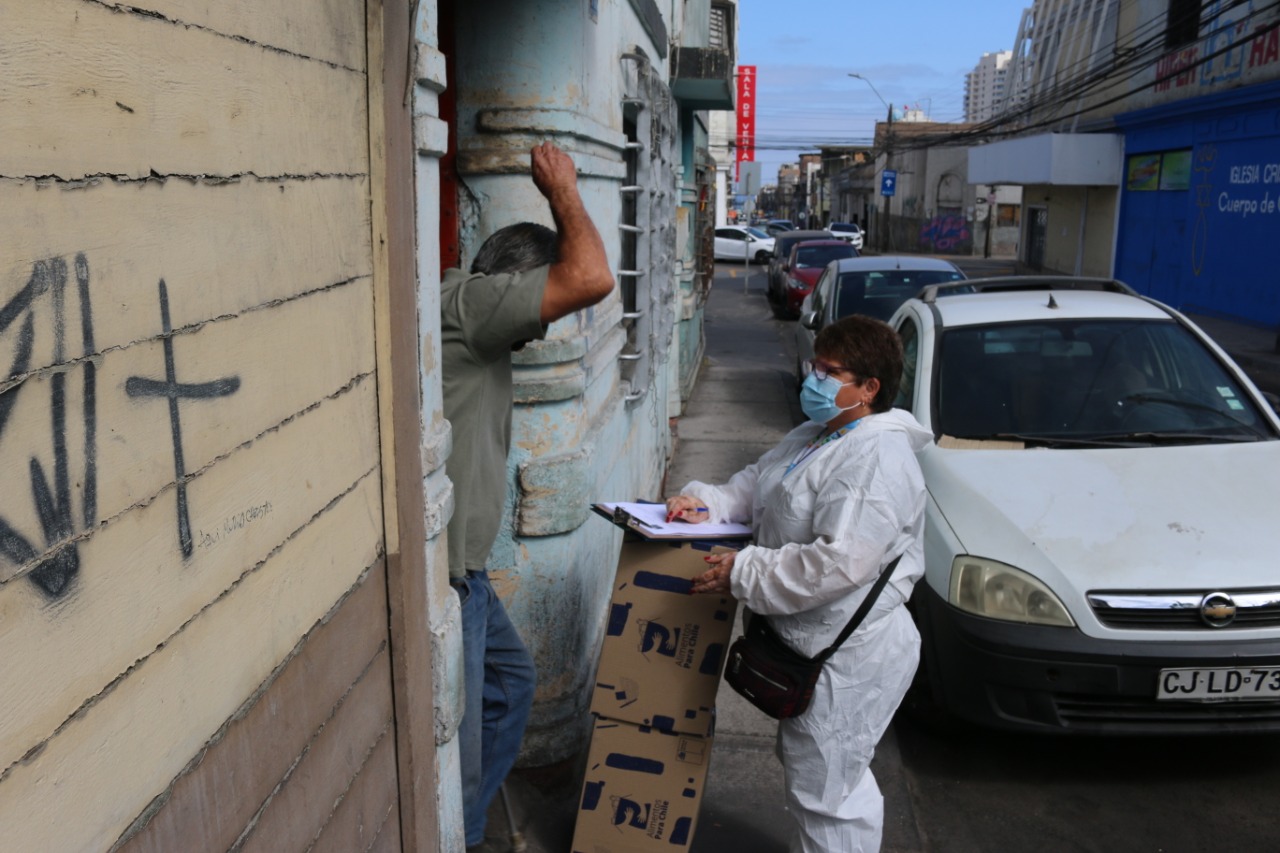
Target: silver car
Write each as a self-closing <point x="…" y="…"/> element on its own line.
<point x="874" y="286"/>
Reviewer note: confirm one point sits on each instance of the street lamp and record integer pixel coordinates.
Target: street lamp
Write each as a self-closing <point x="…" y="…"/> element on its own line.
<point x="877" y="91"/>
<point x="885" y="237"/>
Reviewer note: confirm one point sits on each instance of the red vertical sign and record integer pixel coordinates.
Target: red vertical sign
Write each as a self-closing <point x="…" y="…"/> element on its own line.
<point x="746" y="131"/>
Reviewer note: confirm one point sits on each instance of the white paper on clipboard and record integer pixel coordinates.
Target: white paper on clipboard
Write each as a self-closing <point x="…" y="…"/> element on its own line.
<point x="650" y="521"/>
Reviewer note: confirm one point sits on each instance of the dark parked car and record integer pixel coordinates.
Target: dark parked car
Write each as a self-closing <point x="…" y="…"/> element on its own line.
<point x="808" y="258"/>
<point x="780" y="264"/>
<point x="875" y="286"/>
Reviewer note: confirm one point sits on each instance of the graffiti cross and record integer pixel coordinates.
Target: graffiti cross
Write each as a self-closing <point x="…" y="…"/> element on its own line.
<point x="173" y="390"/>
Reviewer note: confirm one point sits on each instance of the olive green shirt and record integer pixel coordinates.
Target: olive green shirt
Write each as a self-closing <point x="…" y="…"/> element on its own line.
<point x="481" y="318"/>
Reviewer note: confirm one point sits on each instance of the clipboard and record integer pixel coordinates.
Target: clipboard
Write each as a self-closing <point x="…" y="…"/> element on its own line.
<point x="647" y="520"/>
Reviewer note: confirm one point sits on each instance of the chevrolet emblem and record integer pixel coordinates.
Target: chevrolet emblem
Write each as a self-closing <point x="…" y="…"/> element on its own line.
<point x="1217" y="609"/>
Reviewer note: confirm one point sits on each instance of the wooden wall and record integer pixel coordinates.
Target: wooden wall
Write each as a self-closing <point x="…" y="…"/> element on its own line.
<point x="193" y="602"/>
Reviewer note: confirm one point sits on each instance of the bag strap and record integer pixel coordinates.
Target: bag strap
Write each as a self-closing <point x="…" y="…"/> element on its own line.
<point x="861" y="613"/>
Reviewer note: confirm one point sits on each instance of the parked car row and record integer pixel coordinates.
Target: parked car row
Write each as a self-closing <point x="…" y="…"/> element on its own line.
<point x="781" y="264"/>
<point x="759" y="244"/>
<point x="1099" y="542"/>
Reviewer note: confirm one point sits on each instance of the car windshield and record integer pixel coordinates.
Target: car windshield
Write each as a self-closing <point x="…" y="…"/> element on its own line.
<point x="878" y="293"/>
<point x="820" y="256"/>
<point x="842" y="226"/>
<point x="1089" y="382"/>
<point x="758" y="234"/>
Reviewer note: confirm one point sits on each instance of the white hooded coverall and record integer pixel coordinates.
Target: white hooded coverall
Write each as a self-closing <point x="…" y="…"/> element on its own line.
<point x="822" y="533"/>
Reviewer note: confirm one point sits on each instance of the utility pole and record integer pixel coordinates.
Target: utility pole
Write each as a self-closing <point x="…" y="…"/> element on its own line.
<point x="886" y="236"/>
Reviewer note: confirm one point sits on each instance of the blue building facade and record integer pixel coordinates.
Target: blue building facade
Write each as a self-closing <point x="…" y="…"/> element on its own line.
<point x="1200" y="204"/>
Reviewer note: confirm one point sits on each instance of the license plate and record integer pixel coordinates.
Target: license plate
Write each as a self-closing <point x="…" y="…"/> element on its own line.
<point x="1200" y="685"/>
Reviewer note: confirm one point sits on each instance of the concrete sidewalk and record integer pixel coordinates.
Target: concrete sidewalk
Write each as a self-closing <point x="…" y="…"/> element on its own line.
<point x="744" y="402"/>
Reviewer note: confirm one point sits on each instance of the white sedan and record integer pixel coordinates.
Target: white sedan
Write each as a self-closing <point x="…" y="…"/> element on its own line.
<point x="738" y="243"/>
<point x="847" y="231"/>
<point x="1101" y="533"/>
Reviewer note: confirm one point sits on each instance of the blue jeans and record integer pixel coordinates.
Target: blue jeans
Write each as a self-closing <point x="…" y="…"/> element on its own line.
<point x="499" y="679"/>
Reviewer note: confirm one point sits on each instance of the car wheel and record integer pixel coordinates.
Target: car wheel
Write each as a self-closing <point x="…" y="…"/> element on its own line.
<point x="762" y="257"/>
<point x="921" y="705"/>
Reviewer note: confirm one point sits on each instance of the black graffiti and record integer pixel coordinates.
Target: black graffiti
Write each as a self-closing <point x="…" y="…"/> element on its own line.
<point x="173" y="390"/>
<point x="54" y="573"/>
<point x="233" y="524"/>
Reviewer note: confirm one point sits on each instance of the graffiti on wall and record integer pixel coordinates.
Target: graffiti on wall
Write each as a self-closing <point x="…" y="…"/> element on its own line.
<point x="948" y="233"/>
<point x="171" y="390"/>
<point x="57" y="562"/>
<point x="41" y="307"/>
<point x="1205" y="159"/>
<point x="1237" y="42"/>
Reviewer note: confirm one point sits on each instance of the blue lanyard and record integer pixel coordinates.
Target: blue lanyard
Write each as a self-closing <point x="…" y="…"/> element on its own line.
<point x="813" y="446"/>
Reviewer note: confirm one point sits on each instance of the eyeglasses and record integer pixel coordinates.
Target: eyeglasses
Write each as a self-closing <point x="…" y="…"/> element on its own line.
<point x="822" y="369"/>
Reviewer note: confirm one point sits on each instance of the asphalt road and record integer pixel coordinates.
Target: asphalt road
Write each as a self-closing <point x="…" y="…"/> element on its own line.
<point x="975" y="791"/>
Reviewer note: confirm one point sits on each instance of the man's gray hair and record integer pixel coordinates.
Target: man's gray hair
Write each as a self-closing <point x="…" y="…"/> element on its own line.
<point x="517" y="248"/>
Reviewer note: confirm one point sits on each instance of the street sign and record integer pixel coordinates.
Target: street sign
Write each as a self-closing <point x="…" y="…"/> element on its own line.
<point x="888" y="182"/>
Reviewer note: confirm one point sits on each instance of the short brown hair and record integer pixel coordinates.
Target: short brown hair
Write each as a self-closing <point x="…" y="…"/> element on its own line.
<point x="868" y="348"/>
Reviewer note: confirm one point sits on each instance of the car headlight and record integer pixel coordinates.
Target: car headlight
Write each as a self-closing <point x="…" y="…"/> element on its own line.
<point x="991" y="589"/>
<point x="796" y="284"/>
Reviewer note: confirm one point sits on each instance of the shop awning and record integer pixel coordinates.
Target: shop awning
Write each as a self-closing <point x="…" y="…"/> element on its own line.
<point x="1064" y="159"/>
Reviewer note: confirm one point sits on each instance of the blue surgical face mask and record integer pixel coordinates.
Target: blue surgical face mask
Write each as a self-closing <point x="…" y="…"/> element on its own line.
<point x="818" y="398"/>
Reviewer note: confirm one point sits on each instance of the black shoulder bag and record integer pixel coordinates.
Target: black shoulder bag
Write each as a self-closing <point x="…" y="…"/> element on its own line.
<point x="774" y="677"/>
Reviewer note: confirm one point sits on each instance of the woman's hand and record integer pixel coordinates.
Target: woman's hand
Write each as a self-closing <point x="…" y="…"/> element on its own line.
<point x="686" y="508"/>
<point x="715" y="579"/>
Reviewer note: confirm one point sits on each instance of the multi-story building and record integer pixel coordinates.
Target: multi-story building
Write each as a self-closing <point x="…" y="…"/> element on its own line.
<point x="721" y="128"/>
<point x="788" y="180"/>
<point x="984" y="86"/>
<point x="1148" y="149"/>
<point x="808" y="201"/>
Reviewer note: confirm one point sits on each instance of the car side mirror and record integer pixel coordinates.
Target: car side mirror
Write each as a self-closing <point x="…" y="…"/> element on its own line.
<point x="809" y="320"/>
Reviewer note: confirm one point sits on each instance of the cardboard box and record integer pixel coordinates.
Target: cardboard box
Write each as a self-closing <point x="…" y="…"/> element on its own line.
<point x="642" y="789"/>
<point x="654" y="703"/>
<point x="664" y="649"/>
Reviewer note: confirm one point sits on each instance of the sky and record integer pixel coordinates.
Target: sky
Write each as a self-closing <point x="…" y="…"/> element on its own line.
<point x="912" y="52"/>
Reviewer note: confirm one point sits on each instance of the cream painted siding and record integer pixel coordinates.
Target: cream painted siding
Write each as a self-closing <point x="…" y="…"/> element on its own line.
<point x="189" y="436"/>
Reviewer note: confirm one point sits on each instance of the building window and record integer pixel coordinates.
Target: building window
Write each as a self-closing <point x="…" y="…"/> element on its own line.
<point x="1008" y="214"/>
<point x="721" y="27"/>
<point x="1159" y="170"/>
<point x="1183" y="24"/>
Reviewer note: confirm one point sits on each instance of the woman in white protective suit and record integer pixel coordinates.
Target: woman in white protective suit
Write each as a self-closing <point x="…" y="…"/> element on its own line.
<point x="835" y="502"/>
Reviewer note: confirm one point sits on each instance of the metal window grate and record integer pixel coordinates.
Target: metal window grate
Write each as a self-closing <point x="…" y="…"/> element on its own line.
<point x="721" y="20"/>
